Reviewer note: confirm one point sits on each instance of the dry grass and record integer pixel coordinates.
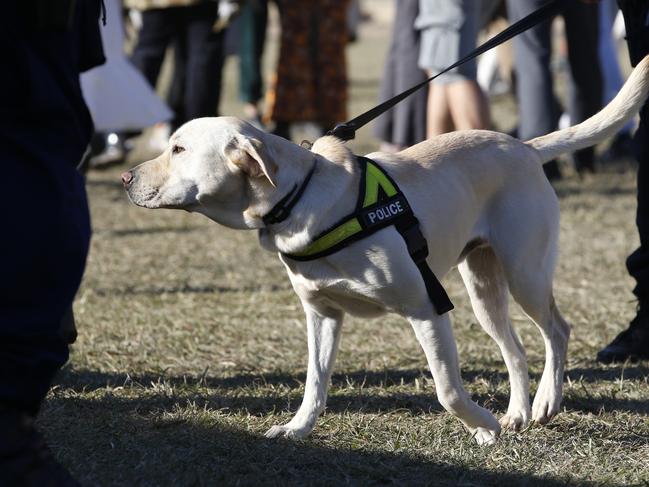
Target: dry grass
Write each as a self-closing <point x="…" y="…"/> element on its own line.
<point x="191" y="344"/>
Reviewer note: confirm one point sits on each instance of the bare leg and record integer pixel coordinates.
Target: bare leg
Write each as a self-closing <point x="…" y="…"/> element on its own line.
<point x="485" y="281"/>
<point x="436" y="338"/>
<point x="467" y="105"/>
<point x="323" y="335"/>
<point x="438" y="117"/>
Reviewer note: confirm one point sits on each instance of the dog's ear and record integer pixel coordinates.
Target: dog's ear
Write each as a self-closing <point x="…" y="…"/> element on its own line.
<point x="249" y="155"/>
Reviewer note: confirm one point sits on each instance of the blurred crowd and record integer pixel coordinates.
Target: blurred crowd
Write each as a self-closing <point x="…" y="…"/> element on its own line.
<point x="308" y="86"/>
<point x="193" y="37"/>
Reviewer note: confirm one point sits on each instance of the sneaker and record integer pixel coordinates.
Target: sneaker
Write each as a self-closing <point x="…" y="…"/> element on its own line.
<point x="631" y="344"/>
<point x="113" y="153"/>
<point x="25" y="459"/>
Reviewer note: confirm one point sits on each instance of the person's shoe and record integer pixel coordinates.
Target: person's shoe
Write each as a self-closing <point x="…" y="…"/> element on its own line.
<point x="631" y="344"/>
<point x="25" y="460"/>
<point x="113" y="153"/>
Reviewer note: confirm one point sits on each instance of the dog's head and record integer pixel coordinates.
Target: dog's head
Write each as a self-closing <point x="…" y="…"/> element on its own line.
<point x="214" y="166"/>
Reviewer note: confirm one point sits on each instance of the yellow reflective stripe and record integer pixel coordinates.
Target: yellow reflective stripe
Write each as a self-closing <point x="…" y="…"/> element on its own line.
<point x="374" y="178"/>
<point x="334" y="237"/>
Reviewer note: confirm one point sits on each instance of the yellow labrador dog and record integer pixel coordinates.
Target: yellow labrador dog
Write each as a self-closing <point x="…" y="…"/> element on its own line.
<point x="483" y="203"/>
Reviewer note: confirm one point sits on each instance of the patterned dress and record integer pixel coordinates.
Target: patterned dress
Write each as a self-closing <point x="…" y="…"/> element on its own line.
<point x="311" y="79"/>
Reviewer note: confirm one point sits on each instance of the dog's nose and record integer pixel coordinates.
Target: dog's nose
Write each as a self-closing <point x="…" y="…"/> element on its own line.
<point x="127" y="178"/>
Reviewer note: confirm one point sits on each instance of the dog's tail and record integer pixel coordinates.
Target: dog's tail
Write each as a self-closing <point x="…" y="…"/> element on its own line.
<point x="601" y="125"/>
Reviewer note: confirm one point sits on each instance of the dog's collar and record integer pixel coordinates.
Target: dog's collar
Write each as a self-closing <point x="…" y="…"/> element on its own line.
<point x="380" y="204"/>
<point x="282" y="209"/>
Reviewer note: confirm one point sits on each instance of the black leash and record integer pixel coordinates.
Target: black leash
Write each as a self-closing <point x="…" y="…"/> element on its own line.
<point x="347" y="130"/>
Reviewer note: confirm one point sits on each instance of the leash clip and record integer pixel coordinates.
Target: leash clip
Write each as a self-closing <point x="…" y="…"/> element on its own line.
<point x="344" y="131"/>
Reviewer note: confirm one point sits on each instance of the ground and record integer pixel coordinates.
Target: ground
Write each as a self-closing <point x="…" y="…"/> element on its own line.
<point x="191" y="344"/>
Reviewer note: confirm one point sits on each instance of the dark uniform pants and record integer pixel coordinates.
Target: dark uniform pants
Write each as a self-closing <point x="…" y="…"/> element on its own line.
<point x="44" y="130"/>
<point x="636" y="17"/>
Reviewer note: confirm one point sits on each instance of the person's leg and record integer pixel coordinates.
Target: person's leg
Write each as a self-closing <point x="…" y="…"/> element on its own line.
<point x="36" y="291"/>
<point x="621" y="145"/>
<point x="405" y="124"/>
<point x="176" y="94"/>
<point x="253" y="20"/>
<point x="43" y="250"/>
<point x="328" y="26"/>
<point x="204" y="62"/>
<point x="468" y="105"/>
<point x="586" y="87"/>
<point x="158" y="27"/>
<point x="448" y="32"/>
<point x="532" y="50"/>
<point x="634" y="341"/>
<point x="439" y="119"/>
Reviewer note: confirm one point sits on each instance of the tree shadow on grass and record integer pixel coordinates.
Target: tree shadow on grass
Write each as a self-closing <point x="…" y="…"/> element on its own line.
<point x="613" y="373"/>
<point x="187" y="289"/>
<point x="129" y="232"/>
<point x="105" y="445"/>
<point x="349" y="391"/>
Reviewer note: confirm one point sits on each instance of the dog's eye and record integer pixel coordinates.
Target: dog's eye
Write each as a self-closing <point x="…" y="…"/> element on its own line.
<point x="176" y="149"/>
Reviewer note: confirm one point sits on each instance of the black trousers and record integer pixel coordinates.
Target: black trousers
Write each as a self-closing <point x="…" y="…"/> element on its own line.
<point x="636" y="17"/>
<point x="44" y="130"/>
<point x="199" y="55"/>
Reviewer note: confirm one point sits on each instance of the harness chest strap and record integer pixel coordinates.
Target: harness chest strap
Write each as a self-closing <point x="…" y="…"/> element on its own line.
<point x="380" y="204"/>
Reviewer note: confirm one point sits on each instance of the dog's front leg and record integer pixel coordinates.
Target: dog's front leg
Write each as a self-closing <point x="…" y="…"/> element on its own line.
<point x="323" y="335"/>
<point x="436" y="338"/>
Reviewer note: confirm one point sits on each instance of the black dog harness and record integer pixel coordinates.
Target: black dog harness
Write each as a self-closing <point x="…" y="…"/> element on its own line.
<point x="380" y="204"/>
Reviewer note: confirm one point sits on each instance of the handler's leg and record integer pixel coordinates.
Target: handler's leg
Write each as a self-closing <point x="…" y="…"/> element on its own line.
<point x="633" y="343"/>
<point x="323" y="335"/>
<point x="436" y="338"/>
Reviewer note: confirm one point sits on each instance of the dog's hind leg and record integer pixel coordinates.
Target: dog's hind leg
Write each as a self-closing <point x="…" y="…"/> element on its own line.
<point x="436" y="338"/>
<point x="529" y="274"/>
<point x="323" y="335"/>
<point x="486" y="284"/>
<point x="556" y="332"/>
<point x="524" y="231"/>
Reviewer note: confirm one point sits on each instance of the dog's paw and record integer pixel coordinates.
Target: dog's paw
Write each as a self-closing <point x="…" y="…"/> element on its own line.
<point x="285" y="431"/>
<point x="544" y="411"/>
<point x="484" y="436"/>
<point x="515" y="420"/>
<point x="547" y="404"/>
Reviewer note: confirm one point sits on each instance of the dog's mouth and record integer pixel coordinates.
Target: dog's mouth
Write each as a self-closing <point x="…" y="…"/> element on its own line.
<point x="151" y="199"/>
<point x="144" y="198"/>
